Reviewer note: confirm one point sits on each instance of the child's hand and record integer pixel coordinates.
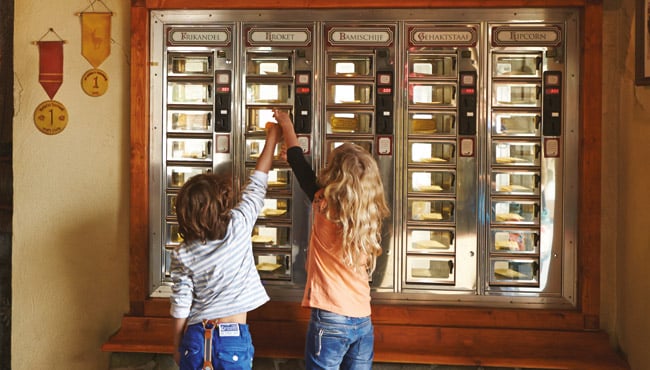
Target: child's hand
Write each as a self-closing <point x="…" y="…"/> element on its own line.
<point x="273" y="130"/>
<point x="282" y="117"/>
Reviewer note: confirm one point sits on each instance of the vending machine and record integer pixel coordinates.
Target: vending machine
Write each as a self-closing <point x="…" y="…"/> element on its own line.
<point x="278" y="73"/>
<point x="359" y="72"/>
<point x="469" y="115"/>
<point x="441" y="156"/>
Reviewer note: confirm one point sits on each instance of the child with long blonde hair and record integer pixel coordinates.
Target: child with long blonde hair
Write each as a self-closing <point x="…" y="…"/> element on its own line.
<point x="348" y="207"/>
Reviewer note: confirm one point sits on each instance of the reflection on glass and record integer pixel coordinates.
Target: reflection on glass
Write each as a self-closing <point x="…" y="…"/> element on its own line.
<point x="516" y="124"/>
<point x="189" y="121"/>
<point x="189" y="93"/>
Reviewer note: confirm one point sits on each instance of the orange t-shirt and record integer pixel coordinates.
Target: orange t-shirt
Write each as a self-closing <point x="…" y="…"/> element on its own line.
<point x="331" y="284"/>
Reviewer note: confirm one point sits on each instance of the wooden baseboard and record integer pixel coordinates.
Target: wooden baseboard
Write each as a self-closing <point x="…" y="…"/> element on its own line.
<point x="522" y="348"/>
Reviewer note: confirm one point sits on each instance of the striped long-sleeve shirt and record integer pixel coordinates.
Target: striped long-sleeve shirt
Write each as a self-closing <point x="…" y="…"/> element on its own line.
<point x="219" y="278"/>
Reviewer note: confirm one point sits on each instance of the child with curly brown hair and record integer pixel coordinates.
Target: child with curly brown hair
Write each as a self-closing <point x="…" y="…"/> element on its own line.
<point x="215" y="282"/>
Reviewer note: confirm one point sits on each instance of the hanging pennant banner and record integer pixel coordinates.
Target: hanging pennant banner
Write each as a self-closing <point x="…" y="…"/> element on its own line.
<point x="95" y="37"/>
<point x="50" y="66"/>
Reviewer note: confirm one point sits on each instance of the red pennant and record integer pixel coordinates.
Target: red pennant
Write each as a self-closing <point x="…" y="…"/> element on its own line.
<point x="50" y="66"/>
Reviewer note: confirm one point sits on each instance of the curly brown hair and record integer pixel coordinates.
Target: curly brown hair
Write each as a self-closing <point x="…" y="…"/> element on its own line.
<point x="203" y="207"/>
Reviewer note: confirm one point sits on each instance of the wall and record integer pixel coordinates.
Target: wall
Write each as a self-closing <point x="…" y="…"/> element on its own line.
<point x="626" y="200"/>
<point x="70" y="246"/>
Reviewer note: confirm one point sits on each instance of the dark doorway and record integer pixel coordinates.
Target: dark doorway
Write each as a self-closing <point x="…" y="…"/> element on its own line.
<point x="6" y="175"/>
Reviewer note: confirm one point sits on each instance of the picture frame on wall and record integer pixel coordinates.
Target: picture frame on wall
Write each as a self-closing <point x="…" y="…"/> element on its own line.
<point x="642" y="42"/>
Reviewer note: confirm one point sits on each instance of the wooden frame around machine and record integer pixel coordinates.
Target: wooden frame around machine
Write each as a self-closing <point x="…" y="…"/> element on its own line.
<point x="642" y="42"/>
<point x="404" y="333"/>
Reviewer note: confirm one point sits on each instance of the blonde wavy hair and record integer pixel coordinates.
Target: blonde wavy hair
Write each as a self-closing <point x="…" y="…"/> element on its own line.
<point x="354" y="195"/>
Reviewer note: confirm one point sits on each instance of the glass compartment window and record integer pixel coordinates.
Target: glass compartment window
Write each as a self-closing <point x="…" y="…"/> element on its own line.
<point x="516" y="124"/>
<point x="278" y="178"/>
<point x="189" y="93"/>
<point x="349" y="94"/>
<point x="514" y="241"/>
<point x="268" y="93"/>
<point x="254" y="149"/>
<point x="517" y="65"/>
<point x="516" y="94"/>
<point x="514" y="270"/>
<point x="422" y="269"/>
<point x="349" y="65"/>
<point x="172" y="236"/>
<point x="514" y="212"/>
<point x="436" y="94"/>
<point x="189" y="121"/>
<point x="189" y="149"/>
<point x="257" y="118"/>
<point x="512" y="153"/>
<point x="189" y="65"/>
<point x="438" y="123"/>
<point x="268" y="65"/>
<point x="170" y="205"/>
<point x="432" y="65"/>
<point x="333" y="144"/>
<point x="424" y="181"/>
<point x="512" y="182"/>
<point x="273" y="266"/>
<point x="275" y="208"/>
<point x="431" y="210"/>
<point x="271" y="236"/>
<point x="349" y="122"/>
<point x="430" y="240"/>
<point x="178" y="175"/>
<point x="423" y="152"/>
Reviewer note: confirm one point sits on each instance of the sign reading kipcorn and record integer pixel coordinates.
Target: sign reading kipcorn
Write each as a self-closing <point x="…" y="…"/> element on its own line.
<point x="527" y="36"/>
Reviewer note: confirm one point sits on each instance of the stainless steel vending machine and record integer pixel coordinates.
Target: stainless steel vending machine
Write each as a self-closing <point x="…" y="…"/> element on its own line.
<point x="471" y="116"/>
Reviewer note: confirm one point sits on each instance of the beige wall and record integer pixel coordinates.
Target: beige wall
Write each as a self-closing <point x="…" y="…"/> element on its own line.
<point x="70" y="246"/>
<point x="625" y="183"/>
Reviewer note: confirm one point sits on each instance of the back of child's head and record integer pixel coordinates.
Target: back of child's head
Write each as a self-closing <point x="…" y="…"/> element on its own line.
<point x="203" y="207"/>
<point x="354" y="195"/>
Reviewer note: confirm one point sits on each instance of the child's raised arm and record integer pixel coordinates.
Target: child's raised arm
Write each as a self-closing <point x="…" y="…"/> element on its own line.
<point x="290" y="138"/>
<point x="273" y="135"/>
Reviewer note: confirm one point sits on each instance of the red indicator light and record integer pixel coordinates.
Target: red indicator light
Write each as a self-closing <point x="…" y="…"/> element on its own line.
<point x="302" y="90"/>
<point x="223" y="89"/>
<point x="552" y="91"/>
<point x="468" y="91"/>
<point x="384" y="90"/>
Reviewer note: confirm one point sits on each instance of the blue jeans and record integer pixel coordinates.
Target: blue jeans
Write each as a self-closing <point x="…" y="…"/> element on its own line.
<point x="339" y="342"/>
<point x="228" y="352"/>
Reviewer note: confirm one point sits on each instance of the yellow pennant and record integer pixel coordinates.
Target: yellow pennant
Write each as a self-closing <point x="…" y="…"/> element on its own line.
<point x="95" y="37"/>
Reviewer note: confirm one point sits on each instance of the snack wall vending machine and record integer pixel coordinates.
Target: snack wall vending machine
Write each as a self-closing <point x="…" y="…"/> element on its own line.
<point x="467" y="115"/>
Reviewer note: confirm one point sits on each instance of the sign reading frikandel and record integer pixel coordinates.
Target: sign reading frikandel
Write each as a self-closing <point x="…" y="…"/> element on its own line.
<point x="279" y="36"/>
<point x="529" y="35"/>
<point x="360" y="36"/>
<point x="186" y="36"/>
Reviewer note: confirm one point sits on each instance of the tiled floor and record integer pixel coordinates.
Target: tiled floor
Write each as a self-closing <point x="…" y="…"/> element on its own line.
<point x="140" y="361"/>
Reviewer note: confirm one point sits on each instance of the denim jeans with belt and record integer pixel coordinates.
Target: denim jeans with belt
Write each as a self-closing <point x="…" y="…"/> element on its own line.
<point x="339" y="342"/>
<point x="228" y="352"/>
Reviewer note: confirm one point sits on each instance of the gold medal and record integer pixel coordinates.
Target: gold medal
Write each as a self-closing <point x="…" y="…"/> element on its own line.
<point x="51" y="117"/>
<point x="94" y="82"/>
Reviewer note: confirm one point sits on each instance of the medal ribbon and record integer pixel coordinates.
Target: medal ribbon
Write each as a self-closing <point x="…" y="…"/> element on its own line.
<point x="50" y="66"/>
<point x="95" y="37"/>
